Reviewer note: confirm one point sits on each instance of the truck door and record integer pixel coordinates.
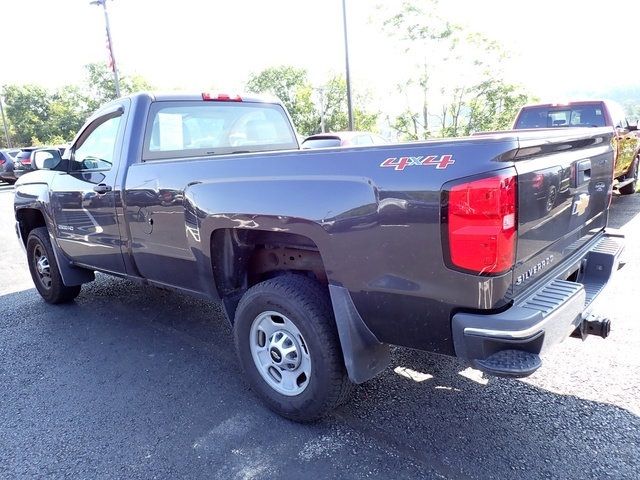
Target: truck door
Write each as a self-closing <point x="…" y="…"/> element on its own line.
<point x="84" y="200"/>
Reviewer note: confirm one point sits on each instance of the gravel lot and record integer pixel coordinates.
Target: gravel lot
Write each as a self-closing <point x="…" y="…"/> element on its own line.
<point x="135" y="382"/>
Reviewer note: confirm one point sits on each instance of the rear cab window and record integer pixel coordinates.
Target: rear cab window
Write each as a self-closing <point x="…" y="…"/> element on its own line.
<point x="587" y="115"/>
<point x="185" y="129"/>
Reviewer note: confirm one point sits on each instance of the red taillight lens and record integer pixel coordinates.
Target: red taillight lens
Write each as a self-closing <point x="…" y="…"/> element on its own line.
<point x="1" y="161"/>
<point x="25" y="161"/>
<point x="481" y="216"/>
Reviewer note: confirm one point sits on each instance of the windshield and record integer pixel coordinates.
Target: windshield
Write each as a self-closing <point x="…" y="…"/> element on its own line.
<point x="566" y="116"/>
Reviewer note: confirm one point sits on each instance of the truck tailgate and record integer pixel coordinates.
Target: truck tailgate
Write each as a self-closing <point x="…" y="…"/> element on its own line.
<point x="564" y="189"/>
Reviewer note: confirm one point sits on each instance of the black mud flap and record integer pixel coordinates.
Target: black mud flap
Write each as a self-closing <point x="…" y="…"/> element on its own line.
<point x="364" y="356"/>
<point x="71" y="275"/>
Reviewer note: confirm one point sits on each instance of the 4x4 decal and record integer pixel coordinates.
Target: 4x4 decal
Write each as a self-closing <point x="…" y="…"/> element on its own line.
<point x="401" y="163"/>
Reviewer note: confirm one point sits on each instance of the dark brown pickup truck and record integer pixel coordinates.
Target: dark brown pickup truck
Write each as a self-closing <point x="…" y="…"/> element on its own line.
<point x="323" y="258"/>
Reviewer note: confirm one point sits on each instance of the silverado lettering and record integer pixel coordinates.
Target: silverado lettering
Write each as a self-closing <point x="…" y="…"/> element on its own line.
<point x="533" y="270"/>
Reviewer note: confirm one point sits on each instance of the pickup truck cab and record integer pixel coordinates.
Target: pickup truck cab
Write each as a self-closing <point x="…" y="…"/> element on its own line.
<point x="323" y="258"/>
<point x="592" y="113"/>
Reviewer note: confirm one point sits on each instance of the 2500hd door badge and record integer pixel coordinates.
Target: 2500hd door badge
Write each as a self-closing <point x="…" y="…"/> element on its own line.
<point x="400" y="163"/>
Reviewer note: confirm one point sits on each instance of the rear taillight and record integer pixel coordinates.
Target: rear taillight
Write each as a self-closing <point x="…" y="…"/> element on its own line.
<point x="1" y="161"/>
<point x="25" y="161"/>
<point x="481" y="224"/>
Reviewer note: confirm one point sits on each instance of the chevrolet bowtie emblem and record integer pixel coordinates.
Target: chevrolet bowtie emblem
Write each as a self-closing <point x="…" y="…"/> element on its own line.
<point x="580" y="205"/>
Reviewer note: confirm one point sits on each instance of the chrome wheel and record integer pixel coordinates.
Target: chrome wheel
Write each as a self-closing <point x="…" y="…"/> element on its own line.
<point x="551" y="198"/>
<point x="43" y="269"/>
<point x="280" y="353"/>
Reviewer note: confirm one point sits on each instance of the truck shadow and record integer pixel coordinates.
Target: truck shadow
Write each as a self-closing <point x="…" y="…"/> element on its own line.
<point x="154" y="372"/>
<point x="481" y="426"/>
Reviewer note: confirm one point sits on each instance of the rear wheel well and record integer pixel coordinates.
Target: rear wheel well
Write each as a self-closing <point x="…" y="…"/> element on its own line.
<point x="243" y="258"/>
<point x="28" y="219"/>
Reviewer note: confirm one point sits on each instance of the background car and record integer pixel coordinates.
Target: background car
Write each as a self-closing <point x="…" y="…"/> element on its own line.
<point x="21" y="165"/>
<point x="342" y="139"/>
<point x="7" y="159"/>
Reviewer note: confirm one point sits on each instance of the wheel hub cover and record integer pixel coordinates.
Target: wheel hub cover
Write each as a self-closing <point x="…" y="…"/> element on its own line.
<point x="284" y="350"/>
<point x="276" y="356"/>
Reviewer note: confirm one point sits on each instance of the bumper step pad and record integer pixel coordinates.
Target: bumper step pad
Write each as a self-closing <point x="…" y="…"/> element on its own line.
<point x="510" y="363"/>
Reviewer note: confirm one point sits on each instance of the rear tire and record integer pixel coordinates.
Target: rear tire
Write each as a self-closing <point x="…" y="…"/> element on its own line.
<point x="44" y="269"/>
<point x="288" y="346"/>
<point x="633" y="173"/>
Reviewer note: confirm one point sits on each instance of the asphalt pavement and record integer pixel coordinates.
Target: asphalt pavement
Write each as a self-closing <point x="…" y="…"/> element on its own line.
<point x="135" y="382"/>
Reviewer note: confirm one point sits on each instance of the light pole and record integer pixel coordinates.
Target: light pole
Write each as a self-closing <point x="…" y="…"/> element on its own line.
<point x="321" y="95"/>
<point x="346" y="59"/>
<point x="114" y="68"/>
<point x="4" y="122"/>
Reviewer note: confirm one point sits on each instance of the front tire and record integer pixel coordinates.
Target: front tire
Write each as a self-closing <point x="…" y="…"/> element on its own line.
<point x="288" y="346"/>
<point x="633" y="186"/>
<point x="44" y="269"/>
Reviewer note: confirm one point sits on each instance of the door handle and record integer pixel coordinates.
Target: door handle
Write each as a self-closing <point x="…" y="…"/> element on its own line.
<point x="583" y="172"/>
<point x="102" y="188"/>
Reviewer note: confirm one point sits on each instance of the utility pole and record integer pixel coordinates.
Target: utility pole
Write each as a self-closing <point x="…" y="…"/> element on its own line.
<point x="112" y="64"/>
<point x="4" y="122"/>
<point x="346" y="59"/>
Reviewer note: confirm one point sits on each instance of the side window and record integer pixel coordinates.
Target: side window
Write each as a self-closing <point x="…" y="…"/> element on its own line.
<point x="96" y="151"/>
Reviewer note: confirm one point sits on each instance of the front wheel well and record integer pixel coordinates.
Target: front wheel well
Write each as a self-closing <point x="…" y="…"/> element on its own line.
<point x="28" y="219"/>
<point x="242" y="258"/>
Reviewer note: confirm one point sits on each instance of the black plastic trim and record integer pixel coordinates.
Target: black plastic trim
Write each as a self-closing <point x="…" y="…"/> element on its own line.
<point x="364" y="356"/>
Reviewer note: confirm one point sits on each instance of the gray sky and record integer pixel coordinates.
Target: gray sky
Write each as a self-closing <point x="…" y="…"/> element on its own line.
<point x="559" y="46"/>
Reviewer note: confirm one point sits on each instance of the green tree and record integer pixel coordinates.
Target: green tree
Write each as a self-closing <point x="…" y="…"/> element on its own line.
<point x="333" y="108"/>
<point x="456" y="74"/>
<point x="39" y="117"/>
<point x="494" y="106"/>
<point x="292" y="87"/>
<point x="28" y="108"/>
<point x="70" y="107"/>
<point x="101" y="88"/>
<point x="425" y="35"/>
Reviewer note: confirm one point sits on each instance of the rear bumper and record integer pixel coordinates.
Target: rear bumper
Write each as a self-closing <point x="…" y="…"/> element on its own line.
<point x="539" y="321"/>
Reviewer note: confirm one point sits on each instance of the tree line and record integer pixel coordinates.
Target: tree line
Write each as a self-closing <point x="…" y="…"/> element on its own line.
<point x="37" y="116"/>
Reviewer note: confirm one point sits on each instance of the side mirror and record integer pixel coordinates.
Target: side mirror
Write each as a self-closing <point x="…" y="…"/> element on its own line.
<point x="46" y="159"/>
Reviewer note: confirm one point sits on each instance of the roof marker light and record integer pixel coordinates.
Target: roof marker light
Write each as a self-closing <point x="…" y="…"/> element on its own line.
<point x="221" y="97"/>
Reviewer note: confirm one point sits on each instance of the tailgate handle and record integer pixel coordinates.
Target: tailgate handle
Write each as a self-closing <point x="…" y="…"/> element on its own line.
<point x="583" y="172"/>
